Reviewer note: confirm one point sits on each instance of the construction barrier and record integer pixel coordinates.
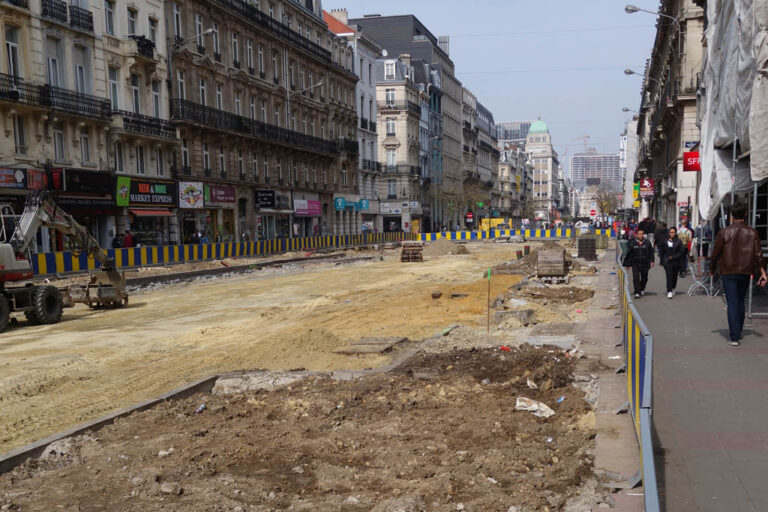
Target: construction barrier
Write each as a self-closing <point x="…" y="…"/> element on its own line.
<point x="498" y="233"/>
<point x="63" y="262"/>
<point x="638" y="359"/>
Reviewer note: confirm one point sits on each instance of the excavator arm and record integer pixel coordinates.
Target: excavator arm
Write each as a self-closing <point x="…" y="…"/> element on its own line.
<point x="107" y="286"/>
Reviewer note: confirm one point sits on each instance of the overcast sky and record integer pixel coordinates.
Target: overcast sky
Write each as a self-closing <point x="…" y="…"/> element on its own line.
<point x="561" y="60"/>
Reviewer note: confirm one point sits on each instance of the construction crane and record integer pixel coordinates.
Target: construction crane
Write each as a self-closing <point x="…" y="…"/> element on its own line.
<point x="585" y="138"/>
<point x="42" y="304"/>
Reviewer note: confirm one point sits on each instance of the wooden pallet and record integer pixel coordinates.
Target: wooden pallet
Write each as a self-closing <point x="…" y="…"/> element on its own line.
<point x="412" y="252"/>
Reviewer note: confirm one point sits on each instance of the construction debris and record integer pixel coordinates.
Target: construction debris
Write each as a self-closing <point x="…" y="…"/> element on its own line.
<point x="412" y="252"/>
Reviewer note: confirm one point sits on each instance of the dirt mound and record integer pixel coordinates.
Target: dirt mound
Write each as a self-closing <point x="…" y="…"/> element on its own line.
<point x="443" y="247"/>
<point x="560" y="294"/>
<point x="440" y="432"/>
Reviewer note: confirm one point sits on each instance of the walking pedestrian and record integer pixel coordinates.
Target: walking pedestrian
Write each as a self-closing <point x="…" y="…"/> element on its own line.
<point x="672" y="254"/>
<point x="641" y="258"/>
<point x="128" y="239"/>
<point x="737" y="255"/>
<point x="686" y="236"/>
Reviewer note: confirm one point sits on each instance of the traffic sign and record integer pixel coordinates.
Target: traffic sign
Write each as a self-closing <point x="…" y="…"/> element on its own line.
<point x="593" y="213"/>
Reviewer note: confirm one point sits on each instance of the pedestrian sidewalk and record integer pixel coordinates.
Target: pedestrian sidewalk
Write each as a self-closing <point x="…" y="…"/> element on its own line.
<point x="710" y="411"/>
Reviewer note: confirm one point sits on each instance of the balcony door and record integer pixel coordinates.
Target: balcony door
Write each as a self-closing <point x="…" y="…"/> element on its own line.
<point x="12" y="50"/>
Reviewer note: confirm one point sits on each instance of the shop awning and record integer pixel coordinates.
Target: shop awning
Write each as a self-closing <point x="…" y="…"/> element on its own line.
<point x="151" y="212"/>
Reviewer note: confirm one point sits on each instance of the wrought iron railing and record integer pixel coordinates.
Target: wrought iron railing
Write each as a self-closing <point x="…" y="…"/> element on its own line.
<point x="401" y="105"/>
<point x="147" y="125"/>
<point x="349" y="145"/>
<point x="74" y="102"/>
<point x="19" y="3"/>
<point x="144" y="46"/>
<point x="185" y="110"/>
<point x="14" y="88"/>
<point x="54" y="10"/>
<point x="80" y="18"/>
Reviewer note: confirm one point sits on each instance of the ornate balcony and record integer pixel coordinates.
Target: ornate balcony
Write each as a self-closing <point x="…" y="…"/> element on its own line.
<point x="146" y="125"/>
<point x="73" y="102"/>
<point x="185" y="110"/>
<point x="144" y="47"/>
<point x="349" y="146"/>
<point x="80" y="18"/>
<point x="54" y="10"/>
<point x="13" y="88"/>
<point x="19" y="3"/>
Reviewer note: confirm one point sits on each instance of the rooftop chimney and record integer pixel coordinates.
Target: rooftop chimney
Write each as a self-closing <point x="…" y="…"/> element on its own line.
<point x="444" y="42"/>
<point x="406" y="58"/>
<point x="340" y="14"/>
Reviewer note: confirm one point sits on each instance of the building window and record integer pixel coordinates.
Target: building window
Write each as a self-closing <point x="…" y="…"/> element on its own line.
<point x="303" y="79"/>
<point x="109" y="17"/>
<point x="219" y="97"/>
<point x="249" y="55"/>
<point x="277" y="117"/>
<point x="222" y="160"/>
<point x="140" y="159"/>
<point x="391" y="189"/>
<point x="113" y="94"/>
<point x="237" y="103"/>
<point x="235" y="49"/>
<point x="390" y="97"/>
<point x="343" y="176"/>
<point x="252" y="108"/>
<point x="306" y="174"/>
<point x="274" y="65"/>
<point x="53" y="48"/>
<point x="240" y="167"/>
<point x="389" y="71"/>
<point x="215" y="37"/>
<point x="18" y="135"/>
<point x="156" y="98"/>
<point x="271" y="11"/>
<point x="203" y="91"/>
<point x="85" y="147"/>
<point x="266" y="167"/>
<point x="255" y="166"/>
<point x="119" y="157"/>
<point x="182" y="87"/>
<point x="177" y="20"/>
<point x="390" y="126"/>
<point x="153" y="30"/>
<point x="370" y="73"/>
<point x="131" y="22"/>
<point x="135" y="94"/>
<point x="58" y="145"/>
<point x="261" y="58"/>
<point x="184" y="153"/>
<point x="159" y="162"/>
<point x="391" y="157"/>
<point x="199" y="29"/>
<point x="206" y="157"/>
<point x="263" y="111"/>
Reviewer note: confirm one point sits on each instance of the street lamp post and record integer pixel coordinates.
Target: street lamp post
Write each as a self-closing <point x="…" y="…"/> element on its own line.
<point x="631" y="9"/>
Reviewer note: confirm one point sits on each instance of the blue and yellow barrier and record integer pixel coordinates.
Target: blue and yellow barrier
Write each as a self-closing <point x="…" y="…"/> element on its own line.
<point x="64" y="262"/>
<point x="638" y="358"/>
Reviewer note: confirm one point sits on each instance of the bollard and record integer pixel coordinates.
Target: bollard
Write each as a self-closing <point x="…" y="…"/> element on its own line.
<point x="519" y="255"/>
<point x="527" y="249"/>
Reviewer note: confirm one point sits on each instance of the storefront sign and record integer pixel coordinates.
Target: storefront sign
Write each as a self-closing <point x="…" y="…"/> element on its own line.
<point x="36" y="180"/>
<point x="140" y="192"/>
<point x="636" y="204"/>
<point x="363" y="205"/>
<point x="307" y="208"/>
<point x="264" y="199"/>
<point x="691" y="161"/>
<point x="340" y="204"/>
<point x="79" y="181"/>
<point x="87" y="205"/>
<point x="13" y="178"/>
<point x="384" y="208"/>
<point x="636" y="191"/>
<point x="690" y="144"/>
<point x="646" y="187"/>
<point x="414" y="204"/>
<point x="221" y="194"/>
<point x="191" y="195"/>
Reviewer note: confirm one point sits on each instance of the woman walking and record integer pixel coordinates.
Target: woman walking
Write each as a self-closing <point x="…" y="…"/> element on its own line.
<point x="672" y="254"/>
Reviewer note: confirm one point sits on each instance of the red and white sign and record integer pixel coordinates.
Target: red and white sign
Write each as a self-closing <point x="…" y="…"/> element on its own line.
<point x="307" y="208"/>
<point x="470" y="217"/>
<point x="691" y="161"/>
<point x="593" y="213"/>
<point x="646" y="187"/>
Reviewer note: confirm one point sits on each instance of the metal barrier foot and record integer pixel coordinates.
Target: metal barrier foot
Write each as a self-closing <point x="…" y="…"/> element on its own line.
<point x="623" y="408"/>
<point x="622" y="369"/>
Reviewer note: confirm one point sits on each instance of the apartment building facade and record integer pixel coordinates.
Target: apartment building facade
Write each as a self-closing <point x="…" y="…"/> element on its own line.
<point x="546" y="187"/>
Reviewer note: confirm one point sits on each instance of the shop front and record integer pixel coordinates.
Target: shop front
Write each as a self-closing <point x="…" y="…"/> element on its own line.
<point x="307" y="215"/>
<point x="273" y="214"/>
<point x="220" y="201"/>
<point x="347" y="219"/>
<point x="14" y="189"/>
<point x="149" y="210"/>
<point x="192" y="211"/>
<point x="89" y="197"/>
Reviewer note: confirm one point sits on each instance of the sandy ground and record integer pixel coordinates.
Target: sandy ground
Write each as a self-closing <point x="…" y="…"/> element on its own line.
<point x="94" y="362"/>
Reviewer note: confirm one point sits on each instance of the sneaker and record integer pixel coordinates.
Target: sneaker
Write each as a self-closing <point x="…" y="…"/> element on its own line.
<point x="670" y="295"/>
<point x="637" y="295"/>
<point x="642" y="293"/>
<point x="734" y="343"/>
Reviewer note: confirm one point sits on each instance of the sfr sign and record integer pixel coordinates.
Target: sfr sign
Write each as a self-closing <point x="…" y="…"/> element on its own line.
<point x="691" y="161"/>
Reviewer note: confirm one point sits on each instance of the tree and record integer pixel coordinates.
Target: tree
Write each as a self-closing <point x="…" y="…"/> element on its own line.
<point x="607" y="200"/>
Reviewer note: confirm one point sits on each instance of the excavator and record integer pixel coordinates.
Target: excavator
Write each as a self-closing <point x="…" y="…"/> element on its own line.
<point x="43" y="304"/>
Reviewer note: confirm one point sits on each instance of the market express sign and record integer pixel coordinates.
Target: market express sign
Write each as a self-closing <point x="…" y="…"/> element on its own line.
<point x="139" y="192"/>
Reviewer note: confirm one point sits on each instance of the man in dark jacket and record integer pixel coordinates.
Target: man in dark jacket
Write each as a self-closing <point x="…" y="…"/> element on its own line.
<point x="640" y="258"/>
<point x="660" y="235"/>
<point x="672" y="255"/>
<point x="737" y="256"/>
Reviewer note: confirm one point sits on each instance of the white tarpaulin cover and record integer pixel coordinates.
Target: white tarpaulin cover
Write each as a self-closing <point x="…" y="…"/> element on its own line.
<point x="734" y="102"/>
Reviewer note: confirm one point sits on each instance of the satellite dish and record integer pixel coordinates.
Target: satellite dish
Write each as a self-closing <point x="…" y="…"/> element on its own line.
<point x="384" y="53"/>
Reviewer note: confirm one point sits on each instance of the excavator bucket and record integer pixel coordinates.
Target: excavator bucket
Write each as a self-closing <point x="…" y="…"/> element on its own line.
<point x="106" y="289"/>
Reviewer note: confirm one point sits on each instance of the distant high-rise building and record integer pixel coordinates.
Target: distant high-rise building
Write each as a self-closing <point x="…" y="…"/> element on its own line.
<point x="599" y="169"/>
<point x="513" y="134"/>
<point x="546" y="178"/>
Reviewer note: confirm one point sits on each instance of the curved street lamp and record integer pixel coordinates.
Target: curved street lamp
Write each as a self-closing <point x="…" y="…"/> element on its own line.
<point x="633" y="72"/>
<point x="631" y="9"/>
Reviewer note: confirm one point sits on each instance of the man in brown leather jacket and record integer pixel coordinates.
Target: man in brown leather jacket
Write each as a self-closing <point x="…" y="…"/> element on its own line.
<point x="737" y="256"/>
